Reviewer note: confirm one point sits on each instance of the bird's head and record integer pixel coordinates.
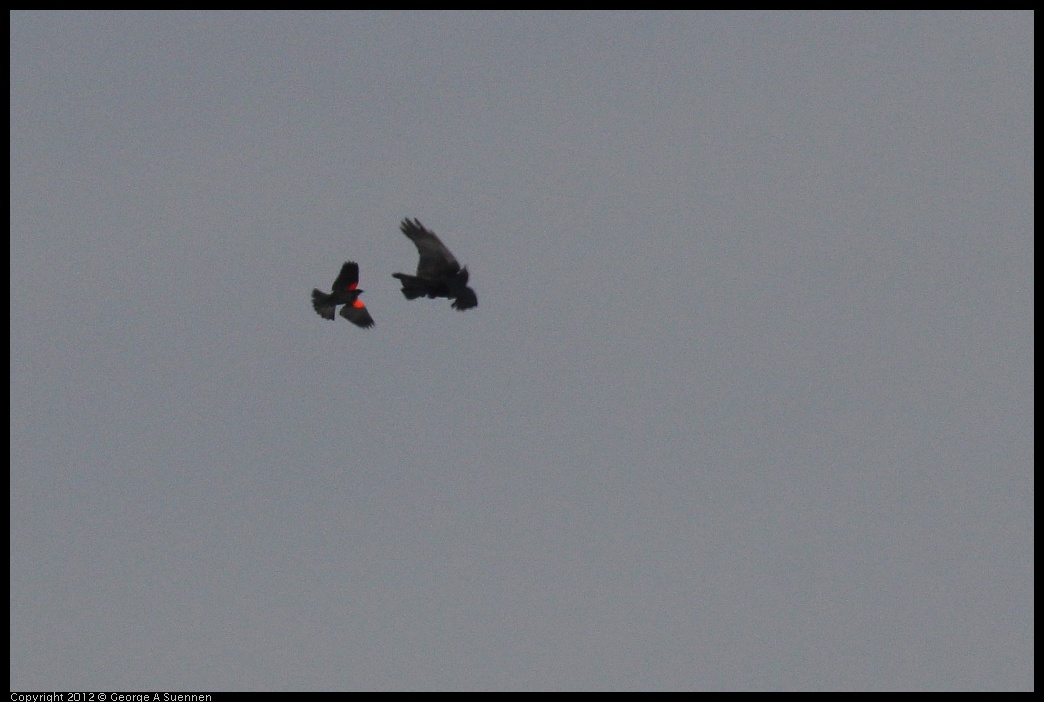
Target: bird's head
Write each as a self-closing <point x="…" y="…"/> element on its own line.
<point x="462" y="277"/>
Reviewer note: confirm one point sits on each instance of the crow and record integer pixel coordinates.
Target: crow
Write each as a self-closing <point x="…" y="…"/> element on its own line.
<point x="438" y="273"/>
<point x="345" y="292"/>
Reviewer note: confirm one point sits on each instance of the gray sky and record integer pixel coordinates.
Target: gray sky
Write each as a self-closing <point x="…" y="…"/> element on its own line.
<point x="747" y="402"/>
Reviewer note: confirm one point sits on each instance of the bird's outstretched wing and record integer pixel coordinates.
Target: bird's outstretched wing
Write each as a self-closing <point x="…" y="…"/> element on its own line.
<point x="436" y="260"/>
<point x="356" y="313"/>
<point x="348" y="278"/>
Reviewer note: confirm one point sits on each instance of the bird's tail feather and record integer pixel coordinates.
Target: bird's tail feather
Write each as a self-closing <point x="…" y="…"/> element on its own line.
<point x="410" y="287"/>
<point x="321" y="303"/>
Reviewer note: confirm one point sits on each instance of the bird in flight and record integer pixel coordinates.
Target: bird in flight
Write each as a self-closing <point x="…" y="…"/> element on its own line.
<point x="438" y="273"/>
<point x="345" y="292"/>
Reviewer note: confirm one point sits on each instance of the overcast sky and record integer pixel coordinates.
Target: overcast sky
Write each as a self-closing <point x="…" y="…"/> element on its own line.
<point x="747" y="401"/>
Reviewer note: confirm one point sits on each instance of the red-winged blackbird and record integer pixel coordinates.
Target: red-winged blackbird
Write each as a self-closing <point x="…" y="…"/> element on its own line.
<point x="345" y="292"/>
<point x="438" y="273"/>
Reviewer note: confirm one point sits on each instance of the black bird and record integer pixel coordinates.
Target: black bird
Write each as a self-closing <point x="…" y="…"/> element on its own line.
<point x="345" y="292"/>
<point x="438" y="273"/>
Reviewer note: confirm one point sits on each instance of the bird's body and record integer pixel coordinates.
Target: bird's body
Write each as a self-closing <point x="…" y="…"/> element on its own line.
<point x="438" y="273"/>
<point x="345" y="292"/>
